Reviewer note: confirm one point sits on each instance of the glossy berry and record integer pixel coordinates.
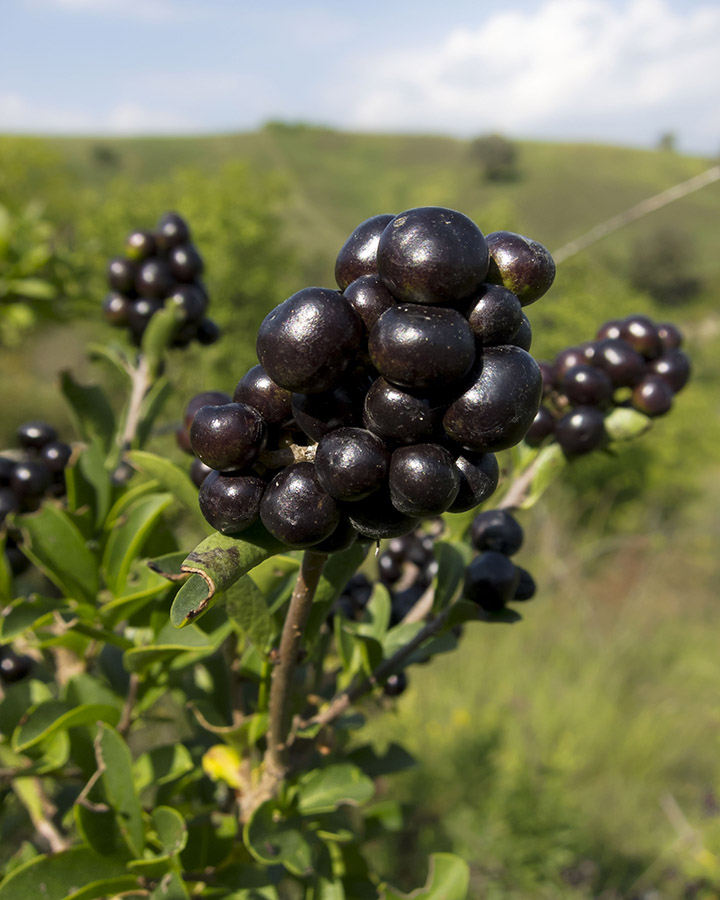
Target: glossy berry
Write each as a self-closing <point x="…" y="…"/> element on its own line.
<point x="13" y="667"/>
<point x="403" y="417"/>
<point x="586" y="385"/>
<point x="34" y="435"/>
<point x="154" y="279"/>
<point x="121" y="274"/>
<point x="30" y="479"/>
<point x="343" y="536"/>
<point x="432" y="255"/>
<point x="673" y="367"/>
<point x="395" y="685"/>
<point x="491" y="580"/>
<point x="581" y="430"/>
<point x="652" y="396"/>
<point x="498" y="407"/>
<point x="369" y="297"/>
<point x="306" y="343"/>
<point x="376" y="518"/>
<point x="208" y="332"/>
<point x="496" y="529"/>
<point x="670" y="336"/>
<point x="140" y="312"/>
<point x="256" y="388"/>
<point x="185" y="263"/>
<point x="230" y="503"/>
<point x="116" y="309"/>
<point x="567" y="359"/>
<point x="56" y="455"/>
<point x="520" y="264"/>
<point x="206" y="398"/>
<point x="494" y="315"/>
<point x="6" y="469"/>
<point x="526" y="587"/>
<point x="423" y="480"/>
<point x="642" y="335"/>
<point x="358" y="255"/>
<point x="543" y="425"/>
<point x="172" y="231"/>
<point x="523" y="336"/>
<point x="547" y="370"/>
<point x="9" y="503"/>
<point x="188" y="301"/>
<point x="610" y="330"/>
<point x="228" y="438"/>
<point x="140" y="245"/>
<point x="351" y="463"/>
<point x="620" y="361"/>
<point x="199" y="471"/>
<point x="416" y="346"/>
<point x="296" y="510"/>
<point x="479" y="474"/>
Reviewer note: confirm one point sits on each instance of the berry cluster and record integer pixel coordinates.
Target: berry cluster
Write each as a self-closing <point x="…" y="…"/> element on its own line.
<point x="160" y="268"/>
<point x="632" y="362"/>
<point x="492" y="580"/>
<point x="28" y="474"/>
<point x="391" y="395"/>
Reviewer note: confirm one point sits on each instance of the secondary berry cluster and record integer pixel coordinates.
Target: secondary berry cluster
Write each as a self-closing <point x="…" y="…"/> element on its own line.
<point x="160" y="268"/>
<point x="492" y="580"/>
<point x="29" y="473"/>
<point x="631" y="362"/>
<point x="391" y="395"/>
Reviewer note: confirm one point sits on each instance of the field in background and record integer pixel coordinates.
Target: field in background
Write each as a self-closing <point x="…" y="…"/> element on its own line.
<point x="574" y="755"/>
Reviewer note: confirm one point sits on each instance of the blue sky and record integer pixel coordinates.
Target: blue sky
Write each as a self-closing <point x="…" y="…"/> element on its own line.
<point x="579" y="70"/>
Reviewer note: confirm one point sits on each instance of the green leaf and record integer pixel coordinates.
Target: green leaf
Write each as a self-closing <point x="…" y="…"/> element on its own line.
<point x="115" y="768"/>
<point x="625" y="424"/>
<point x="91" y="465"/>
<point x="54" y="715"/>
<point x="219" y="561"/>
<point x="173" y="479"/>
<point x="162" y="765"/>
<point x="190" y="645"/>
<point x="376" y="618"/>
<point x="113" y="354"/>
<point x="328" y="890"/>
<point x="142" y="586"/>
<point x="33" y="288"/>
<point x="106" y="887"/>
<point x="273" y="837"/>
<point x="452" y="559"/>
<point x="247" y="607"/>
<point x="126" y="540"/>
<point x="171" y="887"/>
<point x="395" y="759"/>
<point x="170" y="829"/>
<point x="61" y="876"/>
<point x="275" y="578"/>
<point x="6" y="579"/>
<point x="157" y="338"/>
<point x="323" y="790"/>
<point x="448" y="879"/>
<point x="152" y="405"/>
<point x="54" y="543"/>
<point x="92" y="411"/>
<point x="25" y="614"/>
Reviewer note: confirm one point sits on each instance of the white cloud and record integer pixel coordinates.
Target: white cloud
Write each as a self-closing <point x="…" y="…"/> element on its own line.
<point x="553" y="69"/>
<point x="17" y="114"/>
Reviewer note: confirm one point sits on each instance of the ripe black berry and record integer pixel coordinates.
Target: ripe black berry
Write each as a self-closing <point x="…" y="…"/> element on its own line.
<point x="673" y="367"/>
<point x="432" y="255"/>
<point x="620" y="361"/>
<point x="494" y="315"/>
<point x="496" y="529"/>
<point x="376" y="518"/>
<point x="417" y="346"/>
<point x="543" y="425"/>
<point x="523" y="336"/>
<point x="395" y="685"/>
<point x="296" y="510"/>
<point x="526" y="587"/>
<point x="34" y="435"/>
<point x="520" y="264"/>
<point x="306" y="343"/>
<point x="351" y="463"/>
<point x="154" y="279"/>
<point x="256" y="388"/>
<point x="199" y="471"/>
<point x="206" y="398"/>
<point x="479" y="475"/>
<point x="116" y="309"/>
<point x="586" y="385"/>
<point x="140" y="245"/>
<point x="121" y="274"/>
<point x="498" y="407"/>
<point x="369" y="297"/>
<point x="401" y="416"/>
<point x="581" y="430"/>
<point x="652" y="396"/>
<point x="56" y="455"/>
<point x="358" y="255"/>
<point x="172" y="230"/>
<point x="30" y="479"/>
<point x="491" y="580"/>
<point x="185" y="262"/>
<point x="228" y="438"/>
<point x="320" y="414"/>
<point x="189" y="301"/>
<point x="13" y="667"/>
<point x="642" y="335"/>
<point x="230" y="503"/>
<point x="423" y="480"/>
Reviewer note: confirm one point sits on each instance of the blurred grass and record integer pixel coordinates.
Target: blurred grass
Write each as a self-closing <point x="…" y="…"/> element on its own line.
<point x="558" y="756"/>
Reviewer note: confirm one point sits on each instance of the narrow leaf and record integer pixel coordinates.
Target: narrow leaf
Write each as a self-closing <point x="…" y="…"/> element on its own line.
<point x="92" y="411"/>
<point x="59" y="876"/>
<point x="173" y="479"/>
<point x="115" y="766"/>
<point x="126" y="540"/>
<point x="55" y="715"/>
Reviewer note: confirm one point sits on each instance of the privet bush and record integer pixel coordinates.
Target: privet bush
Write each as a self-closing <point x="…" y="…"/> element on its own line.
<point x="181" y="723"/>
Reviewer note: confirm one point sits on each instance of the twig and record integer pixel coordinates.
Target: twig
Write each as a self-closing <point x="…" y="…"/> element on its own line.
<point x="520" y="487"/>
<point x="276" y="459"/>
<point x="276" y="757"/>
<point x="126" y="717"/>
<point x="141" y="379"/>
<point x="342" y="701"/>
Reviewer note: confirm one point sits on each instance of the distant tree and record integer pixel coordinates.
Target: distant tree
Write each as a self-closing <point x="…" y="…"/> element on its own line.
<point x="105" y="156"/>
<point x="667" y="142"/>
<point x="497" y="157"/>
<point x="663" y="264"/>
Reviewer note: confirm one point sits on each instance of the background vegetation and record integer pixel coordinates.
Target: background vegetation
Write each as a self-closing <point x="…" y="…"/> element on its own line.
<point x="576" y="755"/>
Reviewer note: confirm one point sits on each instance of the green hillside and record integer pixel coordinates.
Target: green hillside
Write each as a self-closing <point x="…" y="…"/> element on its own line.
<point x="552" y="754"/>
